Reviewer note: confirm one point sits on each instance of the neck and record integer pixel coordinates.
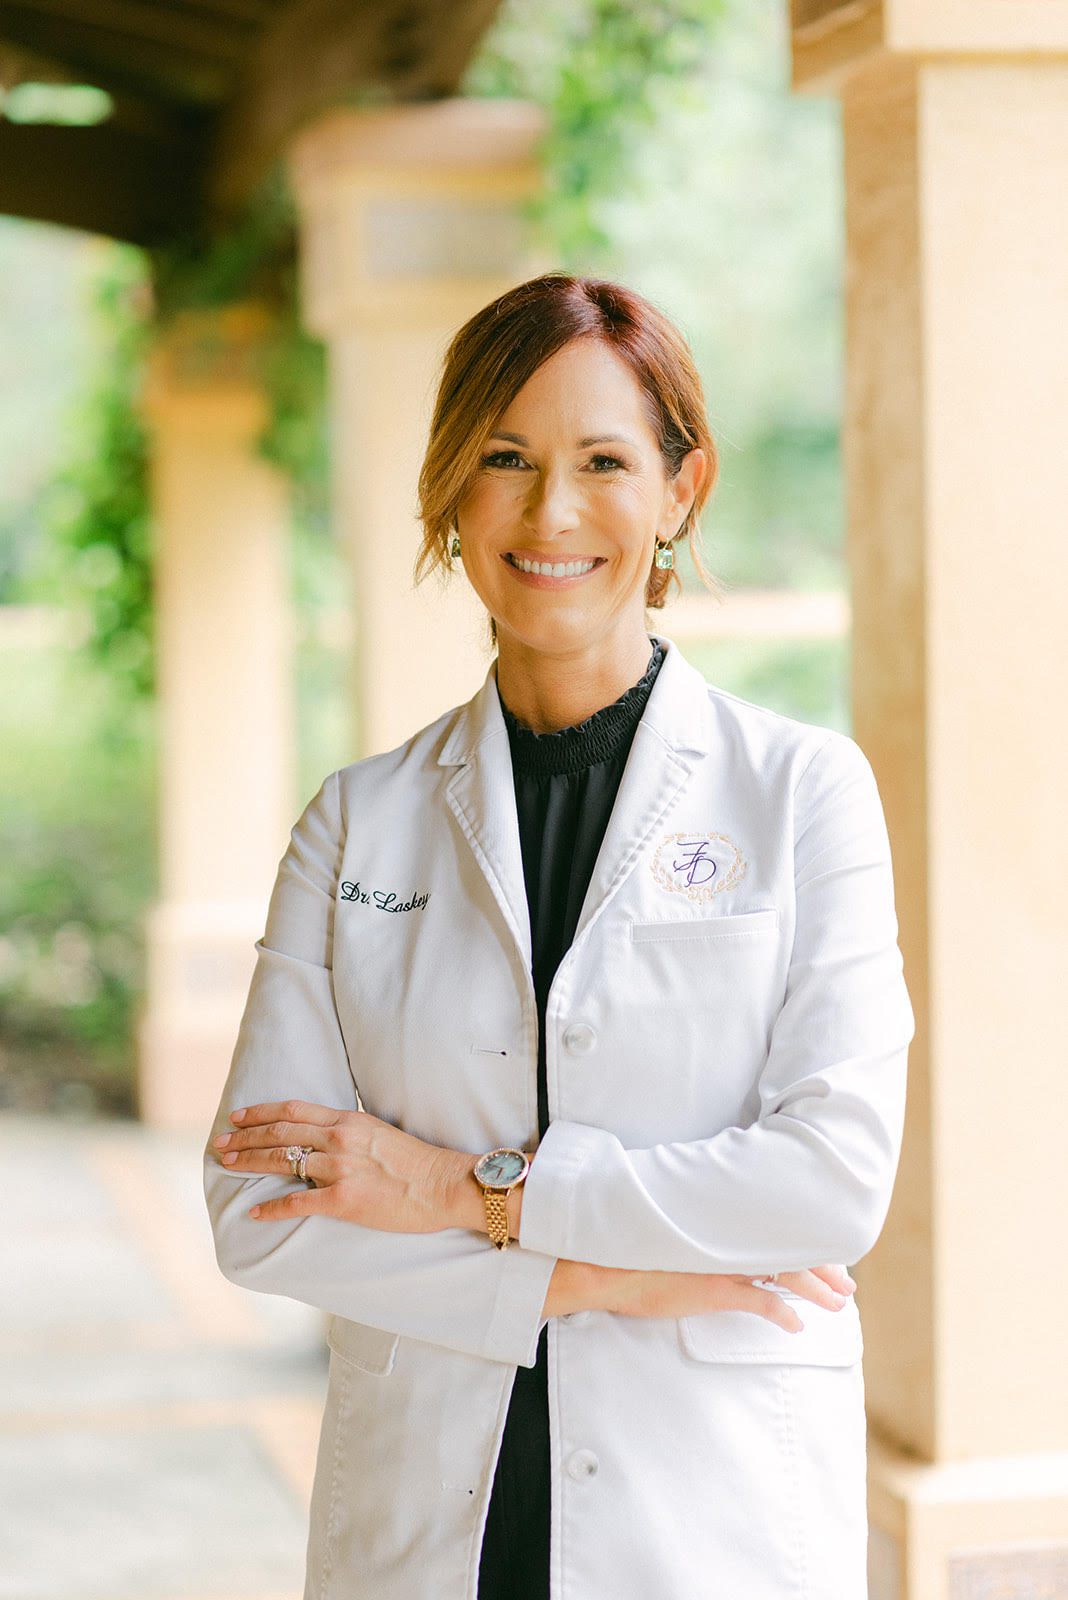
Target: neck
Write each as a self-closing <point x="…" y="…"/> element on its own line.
<point x="551" y="690"/>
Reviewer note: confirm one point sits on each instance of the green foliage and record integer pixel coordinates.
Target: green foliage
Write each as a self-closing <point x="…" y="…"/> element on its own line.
<point x="805" y="678"/>
<point x="602" y="71"/>
<point x="255" y="259"/>
<point x="77" y="868"/>
<point x="252" y="259"/>
<point x="95" y="555"/>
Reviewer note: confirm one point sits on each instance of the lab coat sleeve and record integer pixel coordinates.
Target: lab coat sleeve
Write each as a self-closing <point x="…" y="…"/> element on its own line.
<point x="450" y="1288"/>
<point x="809" y="1181"/>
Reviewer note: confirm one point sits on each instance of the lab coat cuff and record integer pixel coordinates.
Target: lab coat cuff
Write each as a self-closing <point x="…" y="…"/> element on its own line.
<point x="553" y="1185"/>
<point x="516" y="1320"/>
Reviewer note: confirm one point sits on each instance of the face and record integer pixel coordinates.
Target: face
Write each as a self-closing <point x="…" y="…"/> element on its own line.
<point x="559" y="524"/>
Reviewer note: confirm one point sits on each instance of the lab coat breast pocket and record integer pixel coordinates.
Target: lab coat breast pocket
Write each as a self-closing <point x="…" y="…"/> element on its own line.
<point x="788" y="1409"/>
<point x="712" y="985"/>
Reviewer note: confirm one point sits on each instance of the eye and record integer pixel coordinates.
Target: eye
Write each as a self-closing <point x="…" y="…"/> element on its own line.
<point x="498" y="458"/>
<point x="613" y="461"/>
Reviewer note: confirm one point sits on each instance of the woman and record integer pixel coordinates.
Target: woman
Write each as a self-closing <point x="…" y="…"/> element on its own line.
<point x="611" y="955"/>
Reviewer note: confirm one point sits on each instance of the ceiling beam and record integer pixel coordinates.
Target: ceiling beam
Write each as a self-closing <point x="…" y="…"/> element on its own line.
<point x="175" y="26"/>
<point x="104" y="179"/>
<point x="133" y="110"/>
<point x="320" y="54"/>
<point x="148" y="65"/>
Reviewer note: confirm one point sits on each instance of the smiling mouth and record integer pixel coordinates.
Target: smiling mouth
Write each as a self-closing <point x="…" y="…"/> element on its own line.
<point x="575" y="568"/>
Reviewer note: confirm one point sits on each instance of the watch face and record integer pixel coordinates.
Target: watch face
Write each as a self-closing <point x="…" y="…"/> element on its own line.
<point x="500" y="1167"/>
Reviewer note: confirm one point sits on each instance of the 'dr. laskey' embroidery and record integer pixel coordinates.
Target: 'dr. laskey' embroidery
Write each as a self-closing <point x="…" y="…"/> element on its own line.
<point x="382" y="899"/>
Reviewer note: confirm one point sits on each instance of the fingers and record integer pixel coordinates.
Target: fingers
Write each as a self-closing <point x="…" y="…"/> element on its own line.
<point x="317" y="1165"/>
<point x="263" y="1149"/>
<point x="297" y="1203"/>
<point x="286" y="1111"/>
<point x="269" y="1134"/>
<point x="837" y="1277"/>
<point x="828" y="1286"/>
<point x="775" y="1309"/>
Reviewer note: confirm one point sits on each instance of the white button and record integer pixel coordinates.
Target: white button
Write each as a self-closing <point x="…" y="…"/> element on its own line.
<point x="577" y="1317"/>
<point x="582" y="1464"/>
<point x="579" y="1038"/>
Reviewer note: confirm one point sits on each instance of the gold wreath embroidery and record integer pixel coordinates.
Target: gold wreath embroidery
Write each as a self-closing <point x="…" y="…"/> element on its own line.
<point x="702" y="892"/>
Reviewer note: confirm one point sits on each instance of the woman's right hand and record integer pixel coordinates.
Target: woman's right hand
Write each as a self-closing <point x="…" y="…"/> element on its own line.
<point x="581" y="1286"/>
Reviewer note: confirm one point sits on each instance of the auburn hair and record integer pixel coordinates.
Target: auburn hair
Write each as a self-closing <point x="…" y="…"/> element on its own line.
<point x="490" y="359"/>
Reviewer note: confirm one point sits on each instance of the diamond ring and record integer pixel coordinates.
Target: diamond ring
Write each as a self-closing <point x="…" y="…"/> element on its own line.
<point x="297" y="1156"/>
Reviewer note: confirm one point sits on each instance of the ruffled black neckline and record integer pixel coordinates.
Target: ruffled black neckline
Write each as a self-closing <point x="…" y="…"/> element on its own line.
<point x="582" y="744"/>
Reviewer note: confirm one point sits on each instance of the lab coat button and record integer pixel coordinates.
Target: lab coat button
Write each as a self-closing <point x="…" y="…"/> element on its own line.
<point x="582" y="1464"/>
<point x="579" y="1038"/>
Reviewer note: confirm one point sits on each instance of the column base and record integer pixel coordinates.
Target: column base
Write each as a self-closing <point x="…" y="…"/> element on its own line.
<point x="995" y="1528"/>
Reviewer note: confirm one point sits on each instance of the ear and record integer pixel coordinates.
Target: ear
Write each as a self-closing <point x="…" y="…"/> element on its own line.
<point x="684" y="487"/>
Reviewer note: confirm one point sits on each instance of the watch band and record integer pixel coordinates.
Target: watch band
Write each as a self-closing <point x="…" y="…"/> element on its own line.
<point x="497" y="1216"/>
<point x="497" y="1173"/>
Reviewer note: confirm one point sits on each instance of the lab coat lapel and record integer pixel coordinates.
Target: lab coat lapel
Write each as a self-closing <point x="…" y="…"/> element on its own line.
<point x="481" y="795"/>
<point x="670" y="740"/>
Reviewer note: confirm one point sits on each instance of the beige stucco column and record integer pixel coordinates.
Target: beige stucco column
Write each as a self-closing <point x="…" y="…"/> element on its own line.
<point x="226" y="715"/>
<point x="411" y="220"/>
<point x="956" y="168"/>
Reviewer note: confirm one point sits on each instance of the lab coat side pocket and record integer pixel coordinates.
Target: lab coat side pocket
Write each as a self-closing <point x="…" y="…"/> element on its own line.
<point x="359" y="1356"/>
<point x="371" y="1349"/>
<point x="816" y="1486"/>
<point x="335" y="1437"/>
<point x="828" y="1338"/>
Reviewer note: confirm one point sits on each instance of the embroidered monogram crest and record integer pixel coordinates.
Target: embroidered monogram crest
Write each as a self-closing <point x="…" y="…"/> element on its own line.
<point x="698" y="865"/>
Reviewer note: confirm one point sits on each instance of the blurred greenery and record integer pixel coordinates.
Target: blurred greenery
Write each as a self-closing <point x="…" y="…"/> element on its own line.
<point x="677" y="160"/>
<point x="93" y="553"/>
<point x="801" y="678"/>
<point x="78" y="807"/>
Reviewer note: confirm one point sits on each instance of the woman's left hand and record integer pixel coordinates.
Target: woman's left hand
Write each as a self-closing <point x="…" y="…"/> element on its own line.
<point x="365" y="1170"/>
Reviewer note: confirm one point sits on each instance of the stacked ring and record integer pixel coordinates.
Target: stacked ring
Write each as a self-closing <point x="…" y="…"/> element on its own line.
<point x="297" y="1156"/>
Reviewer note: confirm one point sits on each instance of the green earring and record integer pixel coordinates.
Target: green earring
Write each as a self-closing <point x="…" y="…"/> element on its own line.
<point x="454" y="547"/>
<point x="665" y="555"/>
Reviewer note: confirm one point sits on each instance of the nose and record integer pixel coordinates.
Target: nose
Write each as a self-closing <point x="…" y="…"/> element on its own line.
<point x="552" y="505"/>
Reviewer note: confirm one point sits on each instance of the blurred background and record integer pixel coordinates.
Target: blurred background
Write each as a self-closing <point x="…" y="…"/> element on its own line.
<point x="694" y="205"/>
<point x="235" y="238"/>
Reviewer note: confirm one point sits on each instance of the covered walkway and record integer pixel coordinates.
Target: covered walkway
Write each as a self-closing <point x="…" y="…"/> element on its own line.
<point x="158" y="1425"/>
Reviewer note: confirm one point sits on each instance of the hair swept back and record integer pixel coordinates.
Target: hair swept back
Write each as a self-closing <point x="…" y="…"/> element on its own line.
<point x="493" y="354"/>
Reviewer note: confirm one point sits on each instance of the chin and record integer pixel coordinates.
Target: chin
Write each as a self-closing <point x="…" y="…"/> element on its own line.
<point x="558" y="632"/>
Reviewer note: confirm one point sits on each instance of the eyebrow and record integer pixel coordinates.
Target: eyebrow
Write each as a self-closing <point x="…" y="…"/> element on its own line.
<point x="593" y="438"/>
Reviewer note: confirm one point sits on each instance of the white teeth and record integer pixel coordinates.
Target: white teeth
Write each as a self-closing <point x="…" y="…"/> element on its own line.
<point x="558" y="569"/>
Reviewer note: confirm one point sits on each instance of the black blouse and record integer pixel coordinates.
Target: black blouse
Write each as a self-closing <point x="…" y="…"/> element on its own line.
<point x="565" y="786"/>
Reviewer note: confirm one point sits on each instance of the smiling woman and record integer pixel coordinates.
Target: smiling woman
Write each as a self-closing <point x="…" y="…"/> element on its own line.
<point x="557" y="369"/>
<point x="588" y="1130"/>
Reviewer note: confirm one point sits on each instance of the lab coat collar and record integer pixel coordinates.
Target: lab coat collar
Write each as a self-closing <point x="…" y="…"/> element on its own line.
<point x="673" y="735"/>
<point x="676" y="710"/>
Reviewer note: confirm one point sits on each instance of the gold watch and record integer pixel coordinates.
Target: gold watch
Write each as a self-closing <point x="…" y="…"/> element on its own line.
<point x="497" y="1172"/>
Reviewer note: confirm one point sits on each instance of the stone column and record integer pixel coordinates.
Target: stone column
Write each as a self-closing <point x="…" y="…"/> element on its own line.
<point x="956" y="162"/>
<point x="411" y="220"/>
<point x="226" y="713"/>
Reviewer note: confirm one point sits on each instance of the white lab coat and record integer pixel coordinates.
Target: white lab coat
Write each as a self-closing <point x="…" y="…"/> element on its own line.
<point x="726" y="1046"/>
